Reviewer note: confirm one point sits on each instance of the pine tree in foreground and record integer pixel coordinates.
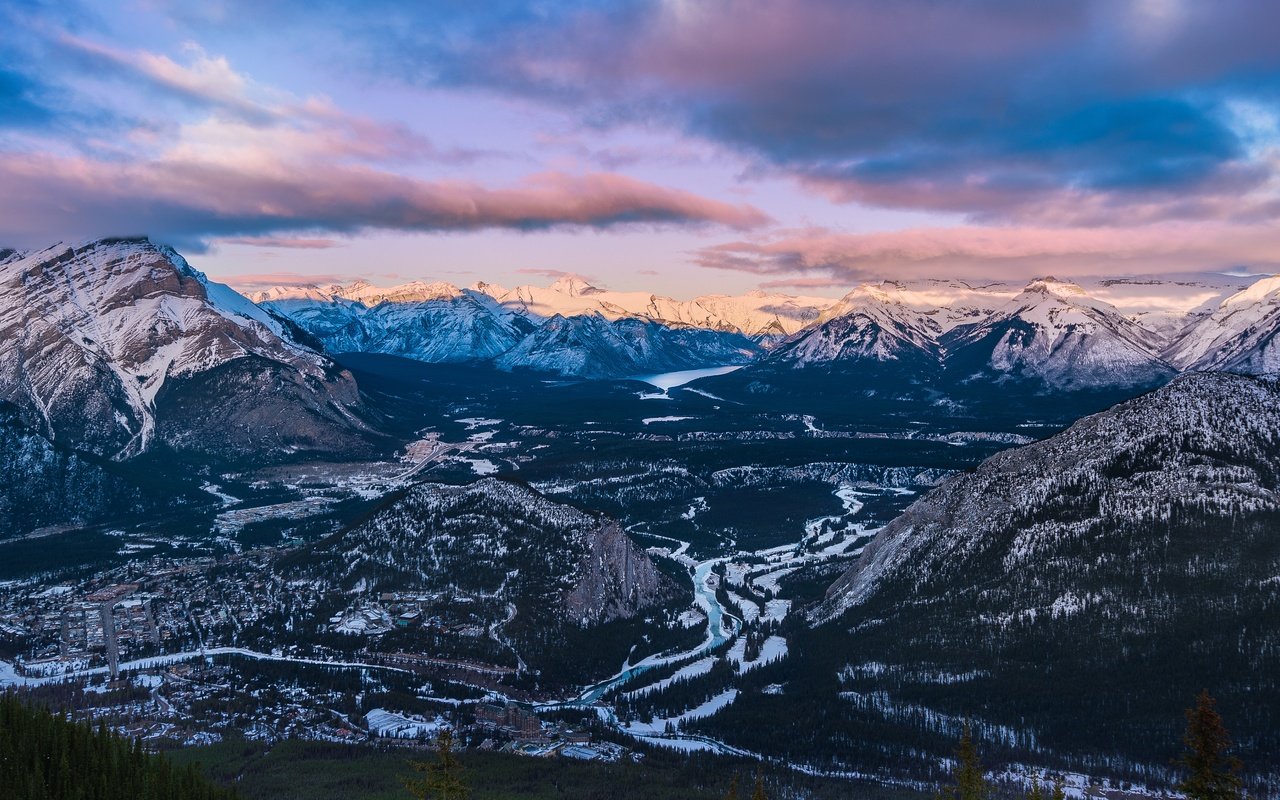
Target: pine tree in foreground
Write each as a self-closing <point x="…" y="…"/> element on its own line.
<point x="758" y="792"/>
<point x="732" y="794"/>
<point x="970" y="781"/>
<point x="1040" y="792"/>
<point x="441" y="780"/>
<point x="1211" y="773"/>
<point x="1037" y="791"/>
<point x="46" y="756"/>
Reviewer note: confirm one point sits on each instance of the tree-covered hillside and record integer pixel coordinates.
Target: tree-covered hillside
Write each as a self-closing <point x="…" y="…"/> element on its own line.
<point x="45" y="756"/>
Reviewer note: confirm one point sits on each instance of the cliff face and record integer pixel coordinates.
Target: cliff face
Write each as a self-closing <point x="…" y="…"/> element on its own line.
<point x="1205" y="445"/>
<point x="616" y="579"/>
<point x="534" y="562"/>
<point x="119" y="345"/>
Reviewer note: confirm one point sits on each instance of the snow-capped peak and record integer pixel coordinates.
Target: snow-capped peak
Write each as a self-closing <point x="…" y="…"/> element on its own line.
<point x="1264" y="290"/>
<point x="1240" y="336"/>
<point x="276" y="294"/>
<point x="870" y="323"/>
<point x="573" y="285"/>
<point x="1057" y="332"/>
<point x="117" y="320"/>
<point x="1052" y="286"/>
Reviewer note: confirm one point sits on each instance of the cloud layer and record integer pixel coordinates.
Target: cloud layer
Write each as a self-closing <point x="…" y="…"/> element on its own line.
<point x="235" y="158"/>
<point x="1016" y="137"/>
<point x="823" y="257"/>
<point x="1054" y="113"/>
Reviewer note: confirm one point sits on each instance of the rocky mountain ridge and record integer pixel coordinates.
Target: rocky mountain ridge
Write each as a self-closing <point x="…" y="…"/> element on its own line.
<point x="516" y="559"/>
<point x="570" y="328"/>
<point x="119" y="345"/>
<point x="1133" y="557"/>
<point x="1052" y="333"/>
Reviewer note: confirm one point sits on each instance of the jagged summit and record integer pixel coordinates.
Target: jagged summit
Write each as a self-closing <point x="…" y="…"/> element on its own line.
<point x="1239" y="336"/>
<point x="870" y="323"/>
<point x="573" y="286"/>
<point x="1055" y="332"/>
<point x="104" y="340"/>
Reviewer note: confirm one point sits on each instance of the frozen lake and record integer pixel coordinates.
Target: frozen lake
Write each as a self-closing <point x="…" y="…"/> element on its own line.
<point x="670" y="380"/>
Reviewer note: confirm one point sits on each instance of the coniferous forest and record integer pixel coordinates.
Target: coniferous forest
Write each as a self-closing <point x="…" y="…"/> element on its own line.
<point x="45" y="756"/>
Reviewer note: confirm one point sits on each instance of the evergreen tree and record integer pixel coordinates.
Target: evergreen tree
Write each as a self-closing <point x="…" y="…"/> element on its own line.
<point x="758" y="792"/>
<point x="970" y="781"/>
<point x="1059" y="789"/>
<point x="1037" y="791"/>
<point x="47" y="756"/>
<point x="732" y="794"/>
<point x="1040" y="792"/>
<point x="443" y="779"/>
<point x="1212" y="774"/>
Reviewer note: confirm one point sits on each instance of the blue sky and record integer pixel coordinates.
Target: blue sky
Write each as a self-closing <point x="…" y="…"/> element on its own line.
<point x="681" y="147"/>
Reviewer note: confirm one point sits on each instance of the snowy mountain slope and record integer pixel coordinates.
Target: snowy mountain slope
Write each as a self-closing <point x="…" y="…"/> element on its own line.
<point x="436" y="323"/>
<point x="444" y="324"/>
<point x="590" y="346"/>
<point x="1205" y="441"/>
<point x="871" y="323"/>
<point x="97" y="340"/>
<point x="951" y="302"/>
<point x="1238" y="336"/>
<point x="1087" y="585"/>
<point x="756" y="314"/>
<point x="1055" y="332"/>
<point x="1167" y="304"/>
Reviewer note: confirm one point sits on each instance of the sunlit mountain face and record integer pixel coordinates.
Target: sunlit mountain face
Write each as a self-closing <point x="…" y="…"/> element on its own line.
<point x="767" y="395"/>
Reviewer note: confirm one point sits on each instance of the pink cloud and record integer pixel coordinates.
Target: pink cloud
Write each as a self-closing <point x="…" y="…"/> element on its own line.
<point x="997" y="252"/>
<point x="313" y="124"/>
<point x="287" y="242"/>
<point x="265" y="280"/>
<point x="195" y="194"/>
<point x="1051" y="114"/>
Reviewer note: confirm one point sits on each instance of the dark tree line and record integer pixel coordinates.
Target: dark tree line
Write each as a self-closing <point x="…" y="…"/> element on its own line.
<point x="1208" y="770"/>
<point x="46" y="756"/>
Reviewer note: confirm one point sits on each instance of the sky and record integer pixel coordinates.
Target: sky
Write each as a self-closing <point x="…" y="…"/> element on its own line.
<point x="681" y="147"/>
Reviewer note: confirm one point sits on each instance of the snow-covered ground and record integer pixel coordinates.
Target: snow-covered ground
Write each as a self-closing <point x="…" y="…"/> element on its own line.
<point x="392" y="725"/>
<point x="773" y="649"/>
<point x="10" y="677"/>
<point x="700" y="667"/>
<point x="659" y="726"/>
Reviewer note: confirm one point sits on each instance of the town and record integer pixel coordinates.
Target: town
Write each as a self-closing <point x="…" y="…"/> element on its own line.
<point x="170" y="652"/>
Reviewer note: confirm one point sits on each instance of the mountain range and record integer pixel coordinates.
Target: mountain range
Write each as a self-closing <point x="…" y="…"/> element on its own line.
<point x="570" y="329"/>
<point x="1052" y="332"/>
<point x="1059" y="335"/>
<point x="116" y="346"/>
